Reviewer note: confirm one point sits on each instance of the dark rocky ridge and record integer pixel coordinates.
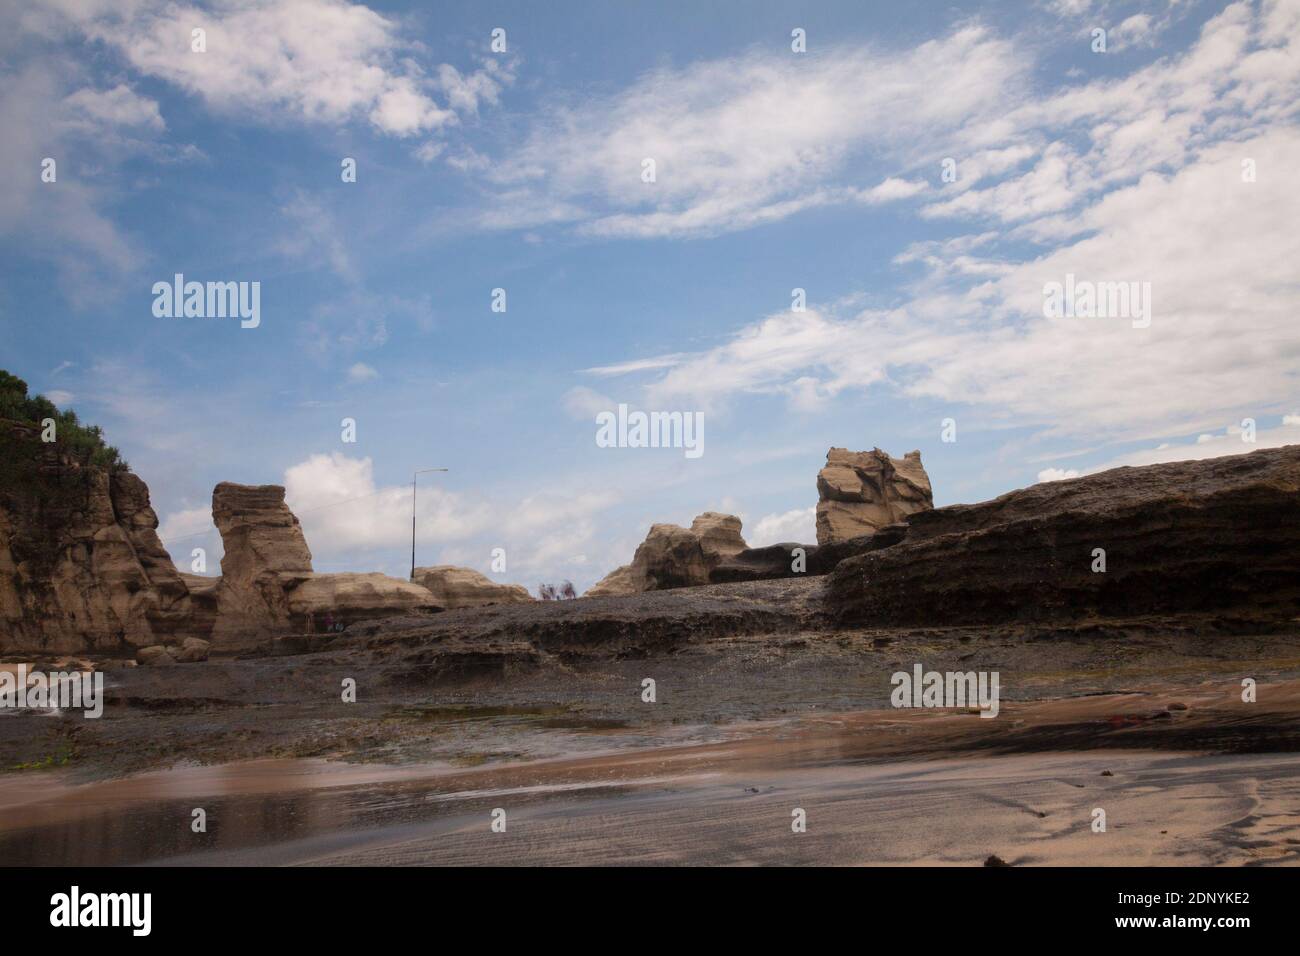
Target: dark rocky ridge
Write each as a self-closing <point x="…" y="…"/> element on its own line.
<point x="1220" y="536"/>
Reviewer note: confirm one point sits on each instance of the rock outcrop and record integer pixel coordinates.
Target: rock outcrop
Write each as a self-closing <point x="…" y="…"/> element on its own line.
<point x="454" y="587"/>
<point x="719" y="536"/>
<point x="1218" y="537"/>
<point x="862" y="491"/>
<point x="265" y="557"/>
<point x="267" y="584"/>
<point x="82" y="568"/>
<point x="81" y="565"/>
<point x="786" y="560"/>
<point x="622" y="580"/>
<point x="675" y="557"/>
<point x="319" y="602"/>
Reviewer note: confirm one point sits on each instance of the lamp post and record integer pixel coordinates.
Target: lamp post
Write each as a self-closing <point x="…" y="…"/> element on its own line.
<point x="422" y="471"/>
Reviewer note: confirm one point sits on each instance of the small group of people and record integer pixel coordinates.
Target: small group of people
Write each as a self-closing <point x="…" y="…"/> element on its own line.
<point x="329" y="624"/>
<point x="557" y="592"/>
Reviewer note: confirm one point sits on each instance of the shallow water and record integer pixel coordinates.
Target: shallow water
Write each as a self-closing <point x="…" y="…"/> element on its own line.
<point x="729" y="803"/>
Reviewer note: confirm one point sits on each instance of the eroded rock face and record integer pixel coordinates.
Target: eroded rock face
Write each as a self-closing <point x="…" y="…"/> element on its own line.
<point x="786" y="560"/>
<point x="258" y="531"/>
<point x="265" y="555"/>
<point x="320" y="600"/>
<point x="1220" y="536"/>
<point x="267" y="585"/>
<point x="454" y="587"/>
<point x="861" y="491"/>
<point x="719" y="536"/>
<point x="675" y="557"/>
<point x="81" y="565"/>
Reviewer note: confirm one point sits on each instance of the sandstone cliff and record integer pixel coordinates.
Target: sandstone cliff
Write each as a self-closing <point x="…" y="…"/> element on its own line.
<point x="1219" y="537"/>
<point x="81" y="565"/>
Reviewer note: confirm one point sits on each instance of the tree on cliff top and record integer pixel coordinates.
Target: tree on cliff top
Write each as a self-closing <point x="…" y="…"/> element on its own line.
<point x="84" y="442"/>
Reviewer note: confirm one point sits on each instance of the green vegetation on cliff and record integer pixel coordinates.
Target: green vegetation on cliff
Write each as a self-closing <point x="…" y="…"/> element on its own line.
<point x="84" y="443"/>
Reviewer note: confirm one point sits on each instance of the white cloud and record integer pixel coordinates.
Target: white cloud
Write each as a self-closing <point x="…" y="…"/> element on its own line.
<point x="1227" y="443"/>
<point x="360" y="320"/>
<point x="119" y="106"/>
<point x="62" y="221"/>
<point x="1057" y="474"/>
<point x="1137" y="30"/>
<point x="314" y="235"/>
<point x="891" y="189"/>
<point x="797" y="525"/>
<point x="429" y="151"/>
<point x="59" y="397"/>
<point x="361" y="372"/>
<point x="183" y="531"/>
<point x="1222" y="257"/>
<point x="351" y="522"/>
<point x="754" y="138"/>
<point x="316" y="61"/>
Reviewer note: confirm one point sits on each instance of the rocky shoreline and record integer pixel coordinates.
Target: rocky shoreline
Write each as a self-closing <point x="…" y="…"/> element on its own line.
<point x="1136" y="580"/>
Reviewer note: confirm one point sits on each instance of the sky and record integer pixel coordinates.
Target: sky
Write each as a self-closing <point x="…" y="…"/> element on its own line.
<point x="922" y="172"/>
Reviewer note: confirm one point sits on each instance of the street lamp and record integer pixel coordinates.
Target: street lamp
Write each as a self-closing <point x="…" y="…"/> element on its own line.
<point x="422" y="471"/>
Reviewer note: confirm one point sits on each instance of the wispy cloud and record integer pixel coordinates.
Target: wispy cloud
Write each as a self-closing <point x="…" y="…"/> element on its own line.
<point x="755" y="138"/>
<point x="972" y="331"/>
<point x="314" y="61"/>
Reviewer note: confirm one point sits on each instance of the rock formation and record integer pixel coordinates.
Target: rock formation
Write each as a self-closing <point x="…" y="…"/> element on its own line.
<point x="454" y="587"/>
<point x="320" y="600"/>
<point x="81" y="565"/>
<point x="761" y="564"/>
<point x="862" y="491"/>
<point x="675" y="557"/>
<point x="267" y="583"/>
<point x="719" y="536"/>
<point x="265" y="556"/>
<point x="1218" y="537"/>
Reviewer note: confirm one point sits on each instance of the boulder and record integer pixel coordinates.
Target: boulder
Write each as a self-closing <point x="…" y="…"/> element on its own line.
<point x="719" y="536"/>
<point x="192" y="650"/>
<point x="1219" y="536"/>
<point x="675" y="557"/>
<point x="454" y="587"/>
<point x="862" y="491"/>
<point x="155" y="654"/>
<point x="671" y="557"/>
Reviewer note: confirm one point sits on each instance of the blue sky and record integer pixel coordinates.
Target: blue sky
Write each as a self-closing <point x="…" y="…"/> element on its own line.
<point x="521" y="170"/>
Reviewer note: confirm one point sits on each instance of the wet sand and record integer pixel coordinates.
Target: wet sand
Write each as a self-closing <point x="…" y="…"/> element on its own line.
<point x="1215" y="783"/>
